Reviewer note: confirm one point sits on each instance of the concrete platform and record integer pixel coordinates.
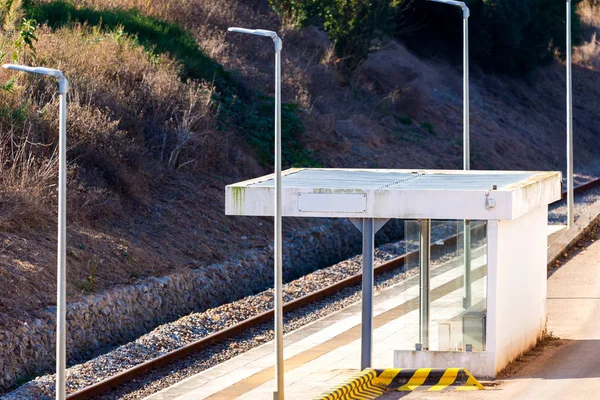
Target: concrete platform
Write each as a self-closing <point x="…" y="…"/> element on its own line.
<point x="554" y="233"/>
<point x="327" y="352"/>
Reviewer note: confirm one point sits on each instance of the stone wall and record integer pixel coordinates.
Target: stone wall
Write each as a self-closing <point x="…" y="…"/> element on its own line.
<point x="122" y="314"/>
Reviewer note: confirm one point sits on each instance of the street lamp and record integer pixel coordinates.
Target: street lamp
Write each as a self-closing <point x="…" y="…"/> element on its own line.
<point x="61" y="303"/>
<point x="466" y="142"/>
<point x="279" y="371"/>
<point x="570" y="196"/>
<point x="466" y="128"/>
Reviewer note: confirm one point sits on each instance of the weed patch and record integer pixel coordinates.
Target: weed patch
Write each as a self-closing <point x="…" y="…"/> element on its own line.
<point x="88" y="284"/>
<point x="403" y="119"/>
<point x="154" y="35"/>
<point x="428" y="127"/>
<point x="235" y="108"/>
<point x="259" y="132"/>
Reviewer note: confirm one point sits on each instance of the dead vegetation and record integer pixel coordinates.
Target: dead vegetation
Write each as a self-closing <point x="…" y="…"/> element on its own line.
<point x="132" y="123"/>
<point x="126" y="109"/>
<point x="548" y="344"/>
<point x="588" y="54"/>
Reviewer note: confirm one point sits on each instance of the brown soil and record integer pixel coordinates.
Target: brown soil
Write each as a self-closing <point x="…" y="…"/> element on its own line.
<point x="549" y="344"/>
<point x="183" y="227"/>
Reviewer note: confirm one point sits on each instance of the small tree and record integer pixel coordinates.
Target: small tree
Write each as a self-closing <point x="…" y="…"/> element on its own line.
<point x="513" y="36"/>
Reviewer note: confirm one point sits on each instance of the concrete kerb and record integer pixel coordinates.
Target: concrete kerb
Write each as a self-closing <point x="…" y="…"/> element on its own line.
<point x="372" y="383"/>
<point x="571" y="236"/>
<point x="359" y="384"/>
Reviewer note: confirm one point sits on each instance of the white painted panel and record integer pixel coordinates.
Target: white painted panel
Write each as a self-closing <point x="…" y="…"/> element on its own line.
<point x="336" y="202"/>
<point x="517" y="285"/>
<point x="406" y="194"/>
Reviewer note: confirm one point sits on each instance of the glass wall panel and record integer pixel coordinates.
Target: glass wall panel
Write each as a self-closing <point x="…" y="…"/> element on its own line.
<point x="407" y="320"/>
<point x="458" y="294"/>
<point x="457" y="300"/>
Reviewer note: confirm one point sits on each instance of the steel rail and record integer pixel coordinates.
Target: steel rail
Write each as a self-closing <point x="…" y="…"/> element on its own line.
<point x="582" y="188"/>
<point x="128" y="375"/>
<point x="224" y="334"/>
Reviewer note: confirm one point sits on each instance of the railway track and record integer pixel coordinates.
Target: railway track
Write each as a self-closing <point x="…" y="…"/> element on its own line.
<point x="227" y="333"/>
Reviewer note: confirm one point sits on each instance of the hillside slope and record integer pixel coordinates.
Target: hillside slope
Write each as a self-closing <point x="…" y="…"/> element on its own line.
<point x="133" y="216"/>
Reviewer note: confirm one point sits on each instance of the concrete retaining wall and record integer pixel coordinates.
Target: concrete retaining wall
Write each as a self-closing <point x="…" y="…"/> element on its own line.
<point x="124" y="313"/>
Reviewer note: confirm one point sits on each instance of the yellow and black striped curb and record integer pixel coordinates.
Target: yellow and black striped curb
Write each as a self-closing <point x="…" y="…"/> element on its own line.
<point x="359" y="386"/>
<point x="371" y="383"/>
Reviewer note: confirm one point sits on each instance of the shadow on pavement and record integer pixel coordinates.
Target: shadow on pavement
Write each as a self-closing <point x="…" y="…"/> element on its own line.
<point x="557" y="359"/>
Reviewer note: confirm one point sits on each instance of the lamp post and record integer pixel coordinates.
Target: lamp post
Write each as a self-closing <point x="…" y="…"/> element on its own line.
<point x="279" y="371"/>
<point x="570" y="196"/>
<point x="61" y="302"/>
<point x="466" y="142"/>
<point x="466" y="128"/>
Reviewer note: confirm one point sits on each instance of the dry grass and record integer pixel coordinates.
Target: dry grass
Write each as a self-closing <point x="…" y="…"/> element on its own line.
<point x="190" y="130"/>
<point x="27" y="165"/>
<point x="124" y="113"/>
<point x="132" y="123"/>
<point x="588" y="54"/>
<point x="25" y="181"/>
<point x="589" y="14"/>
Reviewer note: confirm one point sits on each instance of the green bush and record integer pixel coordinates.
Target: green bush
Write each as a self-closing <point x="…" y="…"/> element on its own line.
<point x="155" y="35"/>
<point x="428" y="127"/>
<point x="513" y="36"/>
<point x="260" y="134"/>
<point x="350" y="24"/>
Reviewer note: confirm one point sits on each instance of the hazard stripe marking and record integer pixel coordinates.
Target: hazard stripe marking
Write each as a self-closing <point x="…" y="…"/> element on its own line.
<point x="416" y="380"/>
<point x="386" y="377"/>
<point x="370" y="384"/>
<point x="358" y="387"/>
<point x="447" y="379"/>
<point x="471" y="384"/>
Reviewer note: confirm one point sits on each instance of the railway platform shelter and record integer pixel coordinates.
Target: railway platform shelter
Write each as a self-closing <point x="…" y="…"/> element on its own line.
<point x="476" y="307"/>
<point x="494" y="223"/>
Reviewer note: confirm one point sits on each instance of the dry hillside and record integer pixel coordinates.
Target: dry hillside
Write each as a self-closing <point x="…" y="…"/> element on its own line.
<point x="133" y="214"/>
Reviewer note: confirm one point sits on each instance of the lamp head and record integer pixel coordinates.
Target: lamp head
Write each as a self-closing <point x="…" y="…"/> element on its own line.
<point x="63" y="84"/>
<point x="460" y="4"/>
<point x="260" y="32"/>
<point x="34" y="70"/>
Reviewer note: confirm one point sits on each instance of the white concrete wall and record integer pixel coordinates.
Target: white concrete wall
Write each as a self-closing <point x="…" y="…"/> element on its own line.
<point x="516" y="316"/>
<point x="516" y="300"/>
<point x="478" y="363"/>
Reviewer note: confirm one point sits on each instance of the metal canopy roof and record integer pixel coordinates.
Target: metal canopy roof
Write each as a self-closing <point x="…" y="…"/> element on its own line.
<point x="377" y="193"/>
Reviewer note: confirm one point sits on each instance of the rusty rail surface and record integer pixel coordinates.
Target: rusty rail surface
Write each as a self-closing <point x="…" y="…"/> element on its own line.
<point x="224" y="334"/>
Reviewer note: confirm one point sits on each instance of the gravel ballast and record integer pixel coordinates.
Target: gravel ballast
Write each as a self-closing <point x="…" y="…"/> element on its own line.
<point x="192" y="327"/>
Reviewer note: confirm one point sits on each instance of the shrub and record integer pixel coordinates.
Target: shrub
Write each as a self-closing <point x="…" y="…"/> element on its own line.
<point x="428" y="127"/>
<point x="513" y="36"/>
<point x="350" y="24"/>
<point x="124" y="113"/>
<point x="404" y="119"/>
<point x="259" y="131"/>
<point x="235" y="107"/>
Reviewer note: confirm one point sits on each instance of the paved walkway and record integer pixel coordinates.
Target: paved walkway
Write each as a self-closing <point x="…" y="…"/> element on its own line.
<point x="323" y="354"/>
